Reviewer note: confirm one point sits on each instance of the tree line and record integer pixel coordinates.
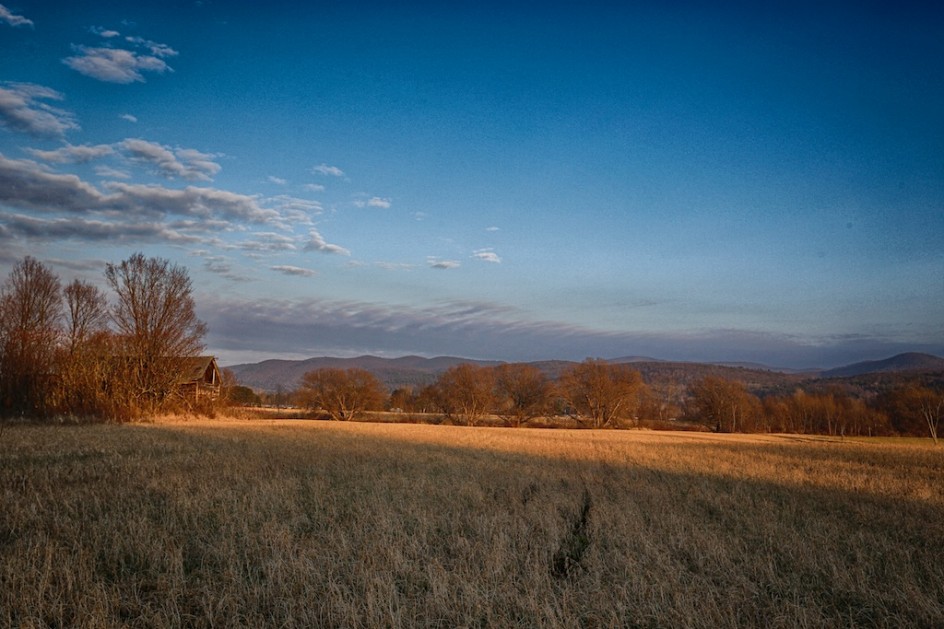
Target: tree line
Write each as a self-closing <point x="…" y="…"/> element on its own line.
<point x="599" y="394"/>
<point x="69" y="351"/>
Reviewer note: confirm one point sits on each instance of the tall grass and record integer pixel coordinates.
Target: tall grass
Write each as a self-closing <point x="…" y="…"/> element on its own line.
<point x="280" y="523"/>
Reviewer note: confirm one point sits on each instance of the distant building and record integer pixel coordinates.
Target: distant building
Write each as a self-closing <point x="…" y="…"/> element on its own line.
<point x="199" y="379"/>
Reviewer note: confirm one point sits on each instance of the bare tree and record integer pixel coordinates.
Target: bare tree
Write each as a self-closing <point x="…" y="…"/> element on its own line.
<point x="932" y="409"/>
<point x="523" y="392"/>
<point x="604" y="392"/>
<point x="723" y="404"/>
<point x="86" y="357"/>
<point x="30" y="319"/>
<point x="467" y="391"/>
<point x="342" y="393"/>
<point x="88" y="313"/>
<point x="156" y="323"/>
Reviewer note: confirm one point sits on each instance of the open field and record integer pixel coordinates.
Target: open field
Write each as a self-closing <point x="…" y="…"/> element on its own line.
<point x="300" y="523"/>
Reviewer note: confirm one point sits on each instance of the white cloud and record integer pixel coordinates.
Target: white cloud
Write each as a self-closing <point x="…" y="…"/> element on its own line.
<point x="324" y="169"/>
<point x="486" y="255"/>
<point x="70" y="154"/>
<point x="317" y="242"/>
<point x="25" y="184"/>
<point x="103" y="32"/>
<point x="395" y="266"/>
<point x="156" y="49"/>
<point x="186" y="163"/>
<point x="437" y="263"/>
<point x="372" y="202"/>
<point x="294" y="270"/>
<point x="22" y="111"/>
<point x="118" y="65"/>
<point x="190" y="201"/>
<point x="295" y="209"/>
<point x="107" y="172"/>
<point x="269" y="242"/>
<point x="95" y="230"/>
<point x="128" y="213"/>
<point x="314" y="187"/>
<point x="13" y="20"/>
<point x="277" y="180"/>
<point x="128" y="117"/>
<point x="492" y="229"/>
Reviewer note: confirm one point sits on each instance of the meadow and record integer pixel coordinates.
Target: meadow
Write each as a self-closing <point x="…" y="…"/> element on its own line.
<point x="311" y="523"/>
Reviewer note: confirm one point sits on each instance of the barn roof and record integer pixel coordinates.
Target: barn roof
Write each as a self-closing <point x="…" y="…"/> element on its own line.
<point x="193" y="369"/>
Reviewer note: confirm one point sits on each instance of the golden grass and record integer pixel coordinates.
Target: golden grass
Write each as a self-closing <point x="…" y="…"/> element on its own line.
<point x="294" y="523"/>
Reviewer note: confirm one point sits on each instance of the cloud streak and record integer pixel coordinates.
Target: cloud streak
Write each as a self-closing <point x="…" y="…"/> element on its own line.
<point x="188" y="164"/>
<point x="443" y="265"/>
<point x="377" y="202"/>
<point x="473" y="329"/>
<point x="13" y="19"/>
<point x="70" y="154"/>
<point x="22" y="109"/>
<point x="112" y="64"/>
<point x="26" y="185"/>
<point x="296" y="271"/>
<point x="486" y="255"/>
<point x="330" y="171"/>
<point x="316" y="242"/>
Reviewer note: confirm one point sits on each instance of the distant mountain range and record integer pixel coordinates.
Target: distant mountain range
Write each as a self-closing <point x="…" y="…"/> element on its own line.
<point x="416" y="371"/>
<point x="911" y="361"/>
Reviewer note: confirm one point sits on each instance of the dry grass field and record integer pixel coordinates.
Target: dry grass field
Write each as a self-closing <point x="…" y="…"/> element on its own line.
<point x="302" y="523"/>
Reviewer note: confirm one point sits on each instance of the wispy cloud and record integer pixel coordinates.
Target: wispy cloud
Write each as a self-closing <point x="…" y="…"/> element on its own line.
<point x="70" y="154"/>
<point x="486" y="255"/>
<point x="277" y="180"/>
<point x="464" y="328"/>
<point x="395" y="266"/>
<point x="107" y="172"/>
<point x="316" y="242"/>
<point x="269" y="242"/>
<point x="324" y="169"/>
<point x="378" y="202"/>
<point x="107" y="33"/>
<point x="286" y="269"/>
<point x="170" y="163"/>
<point x="12" y="19"/>
<point x="492" y="229"/>
<point x="220" y="265"/>
<point x="22" y="110"/>
<point x="156" y="49"/>
<point x="438" y="263"/>
<point x="295" y="210"/>
<point x="121" y="65"/>
<point x="85" y="230"/>
<point x="313" y="187"/>
<point x="26" y="185"/>
<point x="128" y="117"/>
<point x="475" y="329"/>
<point x="189" y="201"/>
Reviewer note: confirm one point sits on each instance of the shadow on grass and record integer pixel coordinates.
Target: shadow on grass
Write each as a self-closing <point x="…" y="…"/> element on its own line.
<point x="487" y="527"/>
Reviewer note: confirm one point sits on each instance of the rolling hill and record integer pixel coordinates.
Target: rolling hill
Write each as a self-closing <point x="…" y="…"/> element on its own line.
<point x="910" y="361"/>
<point x="405" y="371"/>
<point x="416" y="371"/>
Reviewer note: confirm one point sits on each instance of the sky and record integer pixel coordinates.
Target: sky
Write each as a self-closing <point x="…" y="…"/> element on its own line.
<point x="739" y="182"/>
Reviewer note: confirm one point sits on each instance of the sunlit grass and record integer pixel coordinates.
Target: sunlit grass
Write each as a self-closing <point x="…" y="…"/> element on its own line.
<point x="295" y="523"/>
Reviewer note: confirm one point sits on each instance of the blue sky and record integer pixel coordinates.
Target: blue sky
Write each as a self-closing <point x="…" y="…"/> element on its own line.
<point x="737" y="183"/>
